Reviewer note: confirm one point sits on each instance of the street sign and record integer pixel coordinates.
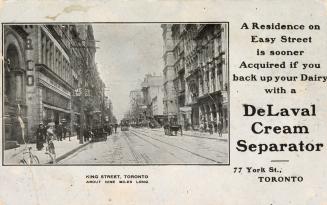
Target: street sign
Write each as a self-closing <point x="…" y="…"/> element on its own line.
<point x="78" y="92"/>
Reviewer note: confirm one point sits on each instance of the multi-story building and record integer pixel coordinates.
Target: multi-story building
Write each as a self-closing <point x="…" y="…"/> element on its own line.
<point x="108" y="111"/>
<point x="153" y="96"/>
<point x="43" y="65"/>
<point x="137" y="107"/>
<point x="200" y="72"/>
<point x="169" y="99"/>
<point x="183" y="112"/>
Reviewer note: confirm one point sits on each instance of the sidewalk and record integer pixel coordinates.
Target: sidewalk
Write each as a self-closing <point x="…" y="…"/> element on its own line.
<point x="224" y="136"/>
<point x="63" y="149"/>
<point x="207" y="135"/>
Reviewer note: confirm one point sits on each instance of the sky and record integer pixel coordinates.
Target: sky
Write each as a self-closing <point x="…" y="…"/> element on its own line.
<point x="126" y="53"/>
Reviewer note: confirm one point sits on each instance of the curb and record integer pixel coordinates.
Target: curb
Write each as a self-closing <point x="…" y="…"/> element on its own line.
<point x="63" y="156"/>
<point x="221" y="139"/>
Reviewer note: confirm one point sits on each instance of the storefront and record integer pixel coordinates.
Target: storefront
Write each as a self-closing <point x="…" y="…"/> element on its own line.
<point x="185" y="113"/>
<point x="14" y="72"/>
<point x="214" y="108"/>
<point x="55" y="101"/>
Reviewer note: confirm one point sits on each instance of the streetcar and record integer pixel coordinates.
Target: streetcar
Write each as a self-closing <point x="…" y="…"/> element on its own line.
<point x="124" y="125"/>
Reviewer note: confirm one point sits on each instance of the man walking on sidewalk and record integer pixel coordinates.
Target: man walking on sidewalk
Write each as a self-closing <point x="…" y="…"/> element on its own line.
<point x="220" y="128"/>
<point x="215" y="125"/>
<point x="64" y="130"/>
<point x="70" y="134"/>
<point x="116" y="125"/>
<point x="210" y="126"/>
<point x="40" y="136"/>
<point x="77" y="128"/>
<point x="59" y="131"/>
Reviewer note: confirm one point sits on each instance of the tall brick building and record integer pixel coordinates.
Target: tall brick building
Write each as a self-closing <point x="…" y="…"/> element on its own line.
<point x="196" y="73"/>
<point x="43" y="66"/>
<point x="153" y="96"/>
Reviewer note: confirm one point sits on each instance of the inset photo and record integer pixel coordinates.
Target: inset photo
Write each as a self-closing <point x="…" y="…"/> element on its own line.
<point x="107" y="94"/>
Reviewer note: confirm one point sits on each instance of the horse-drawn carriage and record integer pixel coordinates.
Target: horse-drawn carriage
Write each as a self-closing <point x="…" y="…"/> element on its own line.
<point x="173" y="128"/>
<point x="98" y="134"/>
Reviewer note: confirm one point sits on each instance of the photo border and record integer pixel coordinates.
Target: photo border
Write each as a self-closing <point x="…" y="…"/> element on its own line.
<point x="123" y="22"/>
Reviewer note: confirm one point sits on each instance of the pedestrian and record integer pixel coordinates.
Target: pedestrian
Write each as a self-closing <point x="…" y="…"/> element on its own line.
<point x="56" y="131"/>
<point x="77" y="129"/>
<point x="201" y="127"/>
<point x="86" y="134"/>
<point x="116" y="125"/>
<point x="220" y="128"/>
<point x="59" y="131"/>
<point x="50" y="145"/>
<point x="69" y="133"/>
<point x="91" y="135"/>
<point x="110" y="129"/>
<point x="210" y="127"/>
<point x="40" y="137"/>
<point x="49" y="133"/>
<point x="215" y="125"/>
<point x="64" y="130"/>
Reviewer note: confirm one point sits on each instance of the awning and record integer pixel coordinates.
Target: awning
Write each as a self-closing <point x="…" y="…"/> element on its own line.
<point x="185" y="109"/>
<point x="55" y="108"/>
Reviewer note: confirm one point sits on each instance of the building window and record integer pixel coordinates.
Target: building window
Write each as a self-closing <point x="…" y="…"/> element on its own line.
<point x="48" y="62"/>
<point x="43" y="48"/>
<point x="64" y="70"/>
<point x="30" y="80"/>
<point x="51" y="56"/>
<point x="60" y="65"/>
<point x="56" y="61"/>
<point x="213" y="79"/>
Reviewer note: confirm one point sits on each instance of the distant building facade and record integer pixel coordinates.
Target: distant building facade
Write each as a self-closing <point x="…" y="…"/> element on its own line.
<point x="137" y="111"/>
<point x="152" y="89"/>
<point x="199" y="62"/>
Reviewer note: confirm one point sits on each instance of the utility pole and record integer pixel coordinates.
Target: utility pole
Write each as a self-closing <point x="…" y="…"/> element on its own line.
<point x="103" y="104"/>
<point x="85" y="65"/>
<point x="82" y="114"/>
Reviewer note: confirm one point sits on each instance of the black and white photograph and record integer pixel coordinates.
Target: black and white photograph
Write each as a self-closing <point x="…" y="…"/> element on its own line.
<point x="115" y="94"/>
<point x="163" y="102"/>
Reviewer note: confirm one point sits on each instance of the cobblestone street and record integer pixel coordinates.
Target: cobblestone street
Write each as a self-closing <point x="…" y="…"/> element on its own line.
<point x="146" y="146"/>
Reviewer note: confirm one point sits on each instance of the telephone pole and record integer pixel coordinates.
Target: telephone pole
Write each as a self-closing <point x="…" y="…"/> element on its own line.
<point x="84" y="54"/>
<point x="82" y="114"/>
<point x="85" y="68"/>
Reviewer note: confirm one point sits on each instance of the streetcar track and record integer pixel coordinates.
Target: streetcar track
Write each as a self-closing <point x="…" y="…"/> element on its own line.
<point x="115" y="150"/>
<point x="136" y="156"/>
<point x="223" y="154"/>
<point x="142" y="158"/>
<point x="130" y="148"/>
<point x="196" y="154"/>
<point x="187" y="135"/>
<point x="159" y="147"/>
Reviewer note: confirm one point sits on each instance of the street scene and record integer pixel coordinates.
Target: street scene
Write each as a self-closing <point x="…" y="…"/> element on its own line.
<point x="115" y="94"/>
<point x="151" y="146"/>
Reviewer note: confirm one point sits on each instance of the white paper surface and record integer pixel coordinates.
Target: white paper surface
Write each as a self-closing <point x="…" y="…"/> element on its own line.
<point x="195" y="184"/>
